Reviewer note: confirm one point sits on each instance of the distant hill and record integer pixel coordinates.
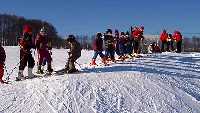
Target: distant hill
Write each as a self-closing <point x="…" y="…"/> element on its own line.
<point x="11" y="27"/>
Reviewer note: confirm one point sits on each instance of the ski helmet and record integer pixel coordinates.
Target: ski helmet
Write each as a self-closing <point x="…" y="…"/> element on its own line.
<point x="70" y="38"/>
<point x="109" y="31"/>
<point x="99" y="35"/>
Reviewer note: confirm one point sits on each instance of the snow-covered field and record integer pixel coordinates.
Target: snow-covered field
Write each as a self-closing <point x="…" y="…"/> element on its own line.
<point x="159" y="83"/>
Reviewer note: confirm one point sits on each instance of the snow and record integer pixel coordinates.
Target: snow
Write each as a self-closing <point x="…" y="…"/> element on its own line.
<point x="155" y="83"/>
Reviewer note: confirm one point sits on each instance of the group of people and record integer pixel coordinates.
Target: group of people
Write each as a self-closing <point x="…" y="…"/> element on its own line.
<point x="124" y="44"/>
<point x="168" y="40"/>
<point x="130" y="44"/>
<point x="42" y="44"/>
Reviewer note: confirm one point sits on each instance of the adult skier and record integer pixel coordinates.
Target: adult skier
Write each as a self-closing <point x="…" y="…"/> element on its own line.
<point x="43" y="46"/>
<point x="137" y="34"/>
<point x="26" y="44"/>
<point x="98" y="48"/>
<point x="178" y="39"/>
<point x="74" y="53"/>
<point x="2" y="63"/>
<point x="163" y="39"/>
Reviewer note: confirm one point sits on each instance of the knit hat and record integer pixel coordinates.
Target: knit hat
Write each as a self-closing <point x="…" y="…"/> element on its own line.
<point x="27" y="29"/>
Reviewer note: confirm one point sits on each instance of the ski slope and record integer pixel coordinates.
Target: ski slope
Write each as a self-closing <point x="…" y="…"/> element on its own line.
<point x="158" y="83"/>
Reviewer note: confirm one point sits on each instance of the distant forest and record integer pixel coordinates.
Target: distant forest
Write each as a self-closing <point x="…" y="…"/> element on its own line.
<point x="11" y="27"/>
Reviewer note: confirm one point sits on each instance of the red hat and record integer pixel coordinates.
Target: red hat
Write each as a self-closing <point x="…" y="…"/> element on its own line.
<point x="27" y="29"/>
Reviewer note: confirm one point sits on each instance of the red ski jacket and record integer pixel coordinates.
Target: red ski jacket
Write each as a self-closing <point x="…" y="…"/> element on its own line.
<point x="164" y="36"/>
<point x="137" y="34"/>
<point x="177" y="36"/>
<point x="98" y="44"/>
<point x="42" y="43"/>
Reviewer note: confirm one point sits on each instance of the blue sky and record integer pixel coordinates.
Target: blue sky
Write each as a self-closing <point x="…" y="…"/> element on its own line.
<point x="90" y="16"/>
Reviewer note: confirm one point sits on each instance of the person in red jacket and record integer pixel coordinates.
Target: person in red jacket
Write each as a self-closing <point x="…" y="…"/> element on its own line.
<point x="163" y="39"/>
<point x="178" y="39"/>
<point x="137" y="35"/>
<point x="26" y="44"/>
<point x="2" y="63"/>
<point x="43" y="46"/>
<point x="98" y="48"/>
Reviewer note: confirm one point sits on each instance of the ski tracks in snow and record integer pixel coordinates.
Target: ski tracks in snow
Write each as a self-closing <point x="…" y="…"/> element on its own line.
<point x="151" y="84"/>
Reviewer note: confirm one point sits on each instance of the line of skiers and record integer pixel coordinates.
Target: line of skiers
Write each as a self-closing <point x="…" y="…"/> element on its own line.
<point x="125" y="45"/>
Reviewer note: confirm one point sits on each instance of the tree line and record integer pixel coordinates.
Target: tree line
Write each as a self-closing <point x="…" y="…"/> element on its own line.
<point x="11" y="27"/>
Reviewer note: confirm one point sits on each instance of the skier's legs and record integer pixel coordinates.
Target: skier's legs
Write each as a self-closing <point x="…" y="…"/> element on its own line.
<point x="101" y="54"/>
<point x="162" y="46"/>
<point x="31" y="61"/>
<point x="23" y="63"/>
<point x="179" y="43"/>
<point x="136" y="46"/>
<point x="72" y="65"/>
<point x="49" y="60"/>
<point x="168" y="45"/>
<point x="121" y="49"/>
<point x="95" y="55"/>
<point x="172" y="45"/>
<point x="112" y="55"/>
<point x="23" y="60"/>
<point x="106" y="53"/>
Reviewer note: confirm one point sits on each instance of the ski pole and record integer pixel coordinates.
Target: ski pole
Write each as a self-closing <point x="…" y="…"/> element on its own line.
<point x="78" y="64"/>
<point x="8" y="77"/>
<point x="6" y="70"/>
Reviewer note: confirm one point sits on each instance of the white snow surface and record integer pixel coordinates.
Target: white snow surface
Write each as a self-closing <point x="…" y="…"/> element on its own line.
<point x="157" y="83"/>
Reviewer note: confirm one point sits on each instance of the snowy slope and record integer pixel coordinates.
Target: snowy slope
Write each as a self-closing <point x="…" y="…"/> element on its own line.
<point x="159" y="83"/>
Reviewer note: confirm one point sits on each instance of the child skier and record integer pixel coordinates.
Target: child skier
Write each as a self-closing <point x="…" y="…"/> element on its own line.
<point x="26" y="44"/>
<point x="98" y="48"/>
<point x="43" y="46"/>
<point x="122" y="48"/>
<point x="109" y="45"/>
<point x="74" y="53"/>
<point x="2" y="63"/>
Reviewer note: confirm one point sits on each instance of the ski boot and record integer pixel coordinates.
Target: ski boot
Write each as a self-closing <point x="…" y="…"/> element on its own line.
<point x="93" y="62"/>
<point x="3" y="82"/>
<point x="39" y="70"/>
<point x="49" y="69"/>
<point x="20" y="76"/>
<point x="30" y="73"/>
